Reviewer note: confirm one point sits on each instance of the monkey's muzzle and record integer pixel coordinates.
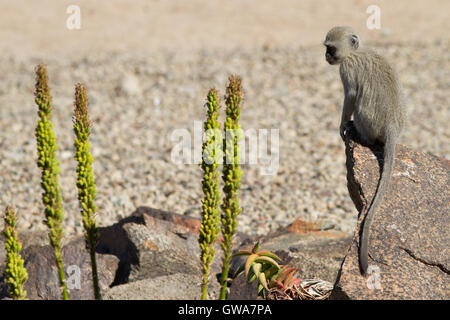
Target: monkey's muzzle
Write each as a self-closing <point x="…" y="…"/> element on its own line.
<point x="330" y="59"/>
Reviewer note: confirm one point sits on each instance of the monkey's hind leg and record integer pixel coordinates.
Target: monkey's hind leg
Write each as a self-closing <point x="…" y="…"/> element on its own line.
<point x="365" y="139"/>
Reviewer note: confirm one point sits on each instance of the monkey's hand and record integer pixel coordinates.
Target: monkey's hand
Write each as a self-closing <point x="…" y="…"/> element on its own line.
<point x="342" y="130"/>
<point x="345" y="127"/>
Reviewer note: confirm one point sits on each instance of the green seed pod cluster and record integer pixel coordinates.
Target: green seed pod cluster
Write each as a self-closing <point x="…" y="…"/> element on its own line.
<point x="85" y="178"/>
<point x="231" y="173"/>
<point x="212" y="153"/>
<point x="15" y="273"/>
<point x="49" y="165"/>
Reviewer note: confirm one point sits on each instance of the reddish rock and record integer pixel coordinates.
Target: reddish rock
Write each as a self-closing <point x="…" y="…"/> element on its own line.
<point x="302" y="227"/>
<point x="192" y="224"/>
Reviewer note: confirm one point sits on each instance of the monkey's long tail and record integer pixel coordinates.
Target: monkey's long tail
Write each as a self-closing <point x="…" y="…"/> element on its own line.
<point x="388" y="165"/>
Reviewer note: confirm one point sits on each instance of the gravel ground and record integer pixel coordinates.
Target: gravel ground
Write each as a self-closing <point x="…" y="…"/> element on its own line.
<point x="138" y="101"/>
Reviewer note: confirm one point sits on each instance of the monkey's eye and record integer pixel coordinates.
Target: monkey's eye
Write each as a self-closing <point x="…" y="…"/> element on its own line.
<point x="331" y="50"/>
<point x="355" y="41"/>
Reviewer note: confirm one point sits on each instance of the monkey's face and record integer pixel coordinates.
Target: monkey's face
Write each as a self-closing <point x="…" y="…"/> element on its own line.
<point x="330" y="55"/>
<point x="340" y="42"/>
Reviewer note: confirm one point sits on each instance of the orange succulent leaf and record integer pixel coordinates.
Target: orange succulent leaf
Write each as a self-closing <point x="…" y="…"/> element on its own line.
<point x="289" y="277"/>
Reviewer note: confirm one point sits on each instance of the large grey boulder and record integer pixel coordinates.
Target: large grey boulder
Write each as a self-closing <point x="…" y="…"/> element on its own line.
<point x="409" y="241"/>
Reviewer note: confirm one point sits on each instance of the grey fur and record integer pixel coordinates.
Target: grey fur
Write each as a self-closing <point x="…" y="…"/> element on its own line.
<point x="373" y="95"/>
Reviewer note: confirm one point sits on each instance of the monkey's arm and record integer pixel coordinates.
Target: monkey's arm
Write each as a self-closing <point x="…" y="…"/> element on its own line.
<point x="347" y="110"/>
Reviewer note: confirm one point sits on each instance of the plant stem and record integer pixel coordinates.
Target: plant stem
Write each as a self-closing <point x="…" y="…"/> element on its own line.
<point x="231" y="174"/>
<point x="211" y="155"/>
<point x="49" y="165"/>
<point x="85" y="178"/>
<point x="15" y="273"/>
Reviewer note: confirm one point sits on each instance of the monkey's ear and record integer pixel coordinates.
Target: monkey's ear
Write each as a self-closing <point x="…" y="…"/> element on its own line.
<point x="355" y="41"/>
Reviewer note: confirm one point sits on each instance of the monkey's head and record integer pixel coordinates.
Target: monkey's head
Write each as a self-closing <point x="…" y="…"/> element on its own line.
<point x="340" y="42"/>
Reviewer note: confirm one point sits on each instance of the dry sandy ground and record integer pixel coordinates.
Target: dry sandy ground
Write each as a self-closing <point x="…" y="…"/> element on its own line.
<point x="38" y="28"/>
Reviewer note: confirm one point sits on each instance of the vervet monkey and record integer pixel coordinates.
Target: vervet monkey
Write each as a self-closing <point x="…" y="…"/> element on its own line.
<point x="374" y="96"/>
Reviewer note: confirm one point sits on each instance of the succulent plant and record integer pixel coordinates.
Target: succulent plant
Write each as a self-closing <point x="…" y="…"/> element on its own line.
<point x="285" y="279"/>
<point x="231" y="174"/>
<point x="278" y="282"/>
<point x="211" y="149"/>
<point x="261" y="265"/>
<point x="15" y="273"/>
<point x="49" y="165"/>
<point x="85" y="178"/>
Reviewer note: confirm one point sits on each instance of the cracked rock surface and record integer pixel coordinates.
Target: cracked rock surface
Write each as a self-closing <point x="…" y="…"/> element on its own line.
<point x="409" y="237"/>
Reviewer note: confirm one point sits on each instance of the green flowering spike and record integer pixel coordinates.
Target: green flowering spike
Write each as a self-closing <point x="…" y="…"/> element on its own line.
<point x="212" y="154"/>
<point x="49" y="165"/>
<point x="231" y="173"/>
<point x="15" y="273"/>
<point x="85" y="178"/>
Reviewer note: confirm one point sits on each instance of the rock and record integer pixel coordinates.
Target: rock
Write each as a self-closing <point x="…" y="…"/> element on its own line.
<point x="163" y="248"/>
<point x="43" y="280"/>
<point x="149" y="247"/>
<point x="153" y="243"/>
<point x="318" y="254"/>
<point x="176" y="286"/>
<point x="149" y="244"/>
<point x="409" y="237"/>
<point x="154" y="254"/>
<point x="129" y="86"/>
<point x="193" y="224"/>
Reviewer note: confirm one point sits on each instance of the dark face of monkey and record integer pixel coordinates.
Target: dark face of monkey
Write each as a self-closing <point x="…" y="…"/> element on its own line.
<point x="340" y="42"/>
<point x="330" y="55"/>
